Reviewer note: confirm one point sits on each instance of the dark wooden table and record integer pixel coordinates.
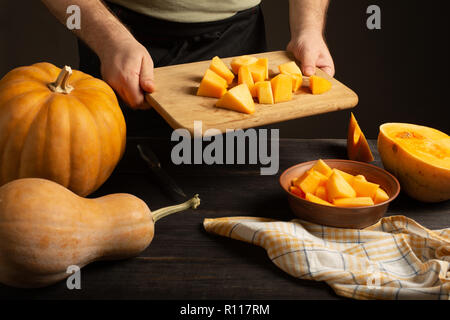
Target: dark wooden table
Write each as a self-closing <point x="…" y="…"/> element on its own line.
<point x="185" y="262"/>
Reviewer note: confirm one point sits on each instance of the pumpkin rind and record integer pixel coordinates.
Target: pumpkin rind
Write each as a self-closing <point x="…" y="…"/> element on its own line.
<point x="422" y="176"/>
<point x="74" y="139"/>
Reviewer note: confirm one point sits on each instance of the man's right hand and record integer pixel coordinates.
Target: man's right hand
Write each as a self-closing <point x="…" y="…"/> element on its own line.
<point x="127" y="67"/>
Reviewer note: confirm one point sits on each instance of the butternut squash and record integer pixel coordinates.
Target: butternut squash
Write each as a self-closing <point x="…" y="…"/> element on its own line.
<point x="45" y="228"/>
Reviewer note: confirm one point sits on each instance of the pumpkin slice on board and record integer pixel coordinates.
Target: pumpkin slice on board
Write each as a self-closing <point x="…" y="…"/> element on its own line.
<point x="264" y="62"/>
<point x="238" y="62"/>
<point x="357" y="146"/>
<point x="319" y="85"/>
<point x="292" y="69"/>
<point x="282" y="88"/>
<point x="258" y="72"/>
<point x="238" y="99"/>
<point x="245" y="77"/>
<point x="264" y="92"/>
<point x="212" y="85"/>
<point x="219" y="67"/>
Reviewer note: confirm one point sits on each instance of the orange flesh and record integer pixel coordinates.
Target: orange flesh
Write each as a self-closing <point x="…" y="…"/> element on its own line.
<point x="239" y="99"/>
<point x="327" y="186"/>
<point x="423" y="142"/>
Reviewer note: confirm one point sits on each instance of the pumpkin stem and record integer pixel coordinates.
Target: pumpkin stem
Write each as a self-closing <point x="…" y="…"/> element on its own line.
<point x="61" y="85"/>
<point x="164" y="212"/>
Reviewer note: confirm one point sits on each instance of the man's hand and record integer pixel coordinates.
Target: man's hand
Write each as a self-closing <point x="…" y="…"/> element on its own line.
<point x="126" y="64"/>
<point x="128" y="68"/>
<point x="307" y="20"/>
<point x="311" y="50"/>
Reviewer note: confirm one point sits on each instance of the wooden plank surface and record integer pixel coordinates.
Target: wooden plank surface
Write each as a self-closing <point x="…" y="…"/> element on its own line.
<point x="185" y="262"/>
<point x="176" y="101"/>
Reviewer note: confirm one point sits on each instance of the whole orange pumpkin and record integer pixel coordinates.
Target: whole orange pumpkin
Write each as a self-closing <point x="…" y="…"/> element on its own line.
<point x="60" y="125"/>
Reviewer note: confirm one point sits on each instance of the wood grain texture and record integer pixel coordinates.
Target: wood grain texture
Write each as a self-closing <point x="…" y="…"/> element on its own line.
<point x="176" y="101"/>
<point x="184" y="261"/>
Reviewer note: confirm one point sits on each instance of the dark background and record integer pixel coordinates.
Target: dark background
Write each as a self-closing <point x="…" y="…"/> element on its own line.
<point x="399" y="72"/>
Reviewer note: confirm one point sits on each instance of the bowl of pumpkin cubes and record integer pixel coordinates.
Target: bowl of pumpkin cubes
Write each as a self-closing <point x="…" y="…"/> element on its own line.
<point x="339" y="193"/>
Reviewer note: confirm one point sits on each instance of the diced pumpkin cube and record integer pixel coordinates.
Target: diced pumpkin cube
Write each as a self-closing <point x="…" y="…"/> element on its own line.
<point x="212" y="85"/>
<point x="323" y="168"/>
<point x="238" y="62"/>
<point x="323" y="178"/>
<point x="319" y="85"/>
<point x="297" y="191"/>
<point x="360" y="177"/>
<point x="338" y="187"/>
<point x="290" y="68"/>
<point x="309" y="182"/>
<point x="353" y="202"/>
<point x="380" y="196"/>
<point x="264" y="92"/>
<point x="258" y="72"/>
<point x="245" y="77"/>
<point x="264" y="62"/>
<point x="219" y="67"/>
<point x="238" y="99"/>
<point x="364" y="188"/>
<point x="347" y="176"/>
<point x="282" y="88"/>
<point x="313" y="198"/>
<point x="321" y="192"/>
<point x="296" y="82"/>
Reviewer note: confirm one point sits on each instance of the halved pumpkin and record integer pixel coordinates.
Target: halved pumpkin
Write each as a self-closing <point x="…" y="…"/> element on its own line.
<point x="419" y="157"/>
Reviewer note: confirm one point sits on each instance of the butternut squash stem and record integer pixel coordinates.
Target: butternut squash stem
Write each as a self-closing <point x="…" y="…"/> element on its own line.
<point x="164" y="212"/>
<point x="61" y="84"/>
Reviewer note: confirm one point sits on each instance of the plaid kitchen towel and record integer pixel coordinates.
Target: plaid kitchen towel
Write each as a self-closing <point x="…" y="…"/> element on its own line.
<point x="396" y="258"/>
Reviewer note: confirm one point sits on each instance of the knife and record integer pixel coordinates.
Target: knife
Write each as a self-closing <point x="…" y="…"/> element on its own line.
<point x="164" y="180"/>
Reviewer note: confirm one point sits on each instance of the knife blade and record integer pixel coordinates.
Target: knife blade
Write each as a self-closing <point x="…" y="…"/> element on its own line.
<point x="165" y="181"/>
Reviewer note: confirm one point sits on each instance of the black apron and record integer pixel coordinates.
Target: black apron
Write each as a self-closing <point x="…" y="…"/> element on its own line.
<point x="172" y="43"/>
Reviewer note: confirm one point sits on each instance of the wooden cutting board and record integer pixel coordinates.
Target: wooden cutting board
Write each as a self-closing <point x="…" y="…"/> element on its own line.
<point x="176" y="101"/>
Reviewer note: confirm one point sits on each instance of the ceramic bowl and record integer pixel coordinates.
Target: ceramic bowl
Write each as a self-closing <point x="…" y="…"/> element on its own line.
<point x="354" y="218"/>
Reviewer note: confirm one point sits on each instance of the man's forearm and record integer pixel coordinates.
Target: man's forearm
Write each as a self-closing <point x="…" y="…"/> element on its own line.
<point x="307" y="15"/>
<point x="99" y="27"/>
